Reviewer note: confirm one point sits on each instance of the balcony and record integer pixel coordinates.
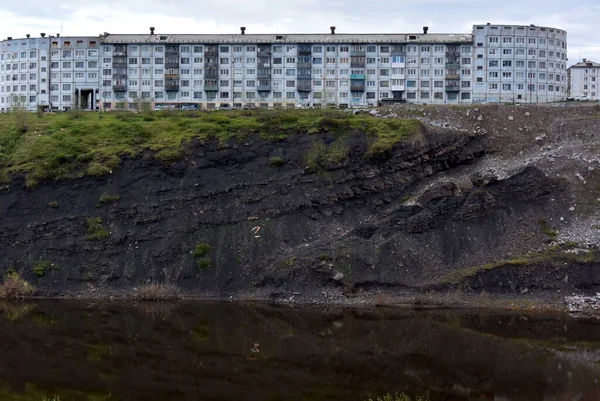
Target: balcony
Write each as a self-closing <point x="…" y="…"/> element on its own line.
<point x="304" y="65"/>
<point x="357" y="53"/>
<point x="171" y="76"/>
<point x="173" y="86"/>
<point x="357" y="76"/>
<point x="453" y="65"/>
<point x="357" y="63"/>
<point x="357" y="86"/>
<point x="263" y="52"/>
<point x="304" y="50"/>
<point x="452" y="88"/>
<point x="303" y="76"/>
<point x="264" y="64"/>
<point x="263" y="74"/>
<point x="304" y="85"/>
<point x="211" y="51"/>
<point x="119" y="87"/>
<point x="263" y="88"/>
<point x="119" y="53"/>
<point x="454" y="54"/>
<point x="398" y="53"/>
<point x="452" y="77"/>
<point x="399" y="88"/>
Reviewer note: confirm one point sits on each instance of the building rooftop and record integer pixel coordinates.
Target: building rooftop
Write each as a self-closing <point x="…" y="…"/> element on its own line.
<point x="288" y="38"/>
<point x="586" y="64"/>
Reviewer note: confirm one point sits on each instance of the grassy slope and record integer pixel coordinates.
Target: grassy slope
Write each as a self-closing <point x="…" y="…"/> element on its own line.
<point x="65" y="145"/>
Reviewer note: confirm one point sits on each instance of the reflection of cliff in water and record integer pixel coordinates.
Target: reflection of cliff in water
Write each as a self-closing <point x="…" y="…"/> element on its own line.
<point x="241" y="352"/>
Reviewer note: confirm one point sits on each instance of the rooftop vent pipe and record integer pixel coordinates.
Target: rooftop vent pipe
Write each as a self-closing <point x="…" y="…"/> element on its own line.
<point x="58" y="35"/>
<point x="43" y="35"/>
<point x="243" y="30"/>
<point x="27" y="36"/>
<point x="332" y="30"/>
<point x="9" y="38"/>
<point x="425" y="29"/>
<point x="151" y="30"/>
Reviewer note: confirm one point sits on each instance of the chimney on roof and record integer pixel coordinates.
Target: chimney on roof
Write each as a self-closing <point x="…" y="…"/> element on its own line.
<point x="584" y="60"/>
<point x="425" y="29"/>
<point x="332" y="30"/>
<point x="43" y="35"/>
<point x="243" y="30"/>
<point x="27" y="36"/>
<point x="9" y="38"/>
<point x="151" y="30"/>
<point x="58" y="35"/>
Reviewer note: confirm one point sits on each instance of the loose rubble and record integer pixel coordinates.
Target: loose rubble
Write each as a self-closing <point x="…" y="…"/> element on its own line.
<point x="584" y="306"/>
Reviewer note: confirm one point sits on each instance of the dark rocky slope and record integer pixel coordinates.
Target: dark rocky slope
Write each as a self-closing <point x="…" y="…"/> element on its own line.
<point x="408" y="221"/>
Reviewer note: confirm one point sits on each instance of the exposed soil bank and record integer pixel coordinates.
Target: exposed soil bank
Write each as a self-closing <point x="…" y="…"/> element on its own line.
<point x="476" y="203"/>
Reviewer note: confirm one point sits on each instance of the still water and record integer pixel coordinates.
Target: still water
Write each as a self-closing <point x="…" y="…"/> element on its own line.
<point x="229" y="351"/>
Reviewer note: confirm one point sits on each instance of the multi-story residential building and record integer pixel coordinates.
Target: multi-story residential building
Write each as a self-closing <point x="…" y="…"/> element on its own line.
<point x="519" y="64"/>
<point x="495" y="63"/>
<point x="584" y="79"/>
<point x="54" y="73"/>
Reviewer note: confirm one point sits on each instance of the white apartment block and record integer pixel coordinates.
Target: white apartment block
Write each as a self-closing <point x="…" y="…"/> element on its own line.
<point x="495" y="63"/>
<point x="584" y="80"/>
<point x="49" y="72"/>
<point x="524" y="64"/>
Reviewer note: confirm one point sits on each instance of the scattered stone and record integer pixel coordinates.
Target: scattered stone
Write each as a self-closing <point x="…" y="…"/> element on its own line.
<point x="572" y="208"/>
<point x="338" y="276"/>
<point x="510" y="118"/>
<point x="584" y="306"/>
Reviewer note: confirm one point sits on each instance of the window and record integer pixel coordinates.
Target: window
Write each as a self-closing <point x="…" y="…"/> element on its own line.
<point x="66" y="64"/>
<point x="493" y="63"/>
<point x="493" y="86"/>
<point x="520" y="40"/>
<point x="197" y="49"/>
<point x="493" y="39"/>
<point x="507" y="51"/>
<point x="290" y="60"/>
<point x="506" y="87"/>
<point x="251" y="60"/>
<point x="507" y="63"/>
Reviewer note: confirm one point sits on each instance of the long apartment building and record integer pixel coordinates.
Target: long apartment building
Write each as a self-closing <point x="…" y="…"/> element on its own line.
<point x="495" y="63"/>
<point x="584" y="80"/>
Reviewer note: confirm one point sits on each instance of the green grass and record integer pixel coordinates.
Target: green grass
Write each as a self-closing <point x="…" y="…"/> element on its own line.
<point x="108" y="198"/>
<point x="547" y="230"/>
<point x="95" y="230"/>
<point x="201" y="249"/>
<point x="204" y="264"/>
<point x="43" y="267"/>
<point x="58" y="146"/>
<point x="554" y="255"/>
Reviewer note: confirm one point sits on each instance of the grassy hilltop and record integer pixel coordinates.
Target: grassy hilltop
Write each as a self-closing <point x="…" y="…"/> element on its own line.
<point x="71" y="145"/>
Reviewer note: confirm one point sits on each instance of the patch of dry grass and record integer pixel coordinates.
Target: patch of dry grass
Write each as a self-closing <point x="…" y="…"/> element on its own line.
<point x="156" y="292"/>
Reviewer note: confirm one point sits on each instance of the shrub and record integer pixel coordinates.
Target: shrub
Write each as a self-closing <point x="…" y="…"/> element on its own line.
<point x="97" y="170"/>
<point x="201" y="249"/>
<point x="156" y="292"/>
<point x="43" y="267"/>
<point x="53" y="204"/>
<point x="109" y="198"/>
<point x="15" y="287"/>
<point x="547" y="230"/>
<point x="276" y="161"/>
<point x="95" y="229"/>
<point x="204" y="263"/>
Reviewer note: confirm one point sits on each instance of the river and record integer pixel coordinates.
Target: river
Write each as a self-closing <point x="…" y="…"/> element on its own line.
<point x="230" y="351"/>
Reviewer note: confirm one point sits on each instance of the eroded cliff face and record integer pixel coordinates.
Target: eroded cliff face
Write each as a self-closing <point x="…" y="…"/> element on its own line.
<point x="408" y="220"/>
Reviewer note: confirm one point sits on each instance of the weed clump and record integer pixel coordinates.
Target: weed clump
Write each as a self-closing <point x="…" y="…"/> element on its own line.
<point x="14" y="287"/>
<point x="95" y="230"/>
<point x="43" y="267"/>
<point x="109" y="198"/>
<point x="199" y="252"/>
<point x="201" y="249"/>
<point x="276" y="161"/>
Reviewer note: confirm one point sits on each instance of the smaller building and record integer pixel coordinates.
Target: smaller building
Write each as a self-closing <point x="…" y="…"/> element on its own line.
<point x="584" y="78"/>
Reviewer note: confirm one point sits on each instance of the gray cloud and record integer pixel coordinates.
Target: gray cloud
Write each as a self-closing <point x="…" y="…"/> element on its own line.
<point x="85" y="17"/>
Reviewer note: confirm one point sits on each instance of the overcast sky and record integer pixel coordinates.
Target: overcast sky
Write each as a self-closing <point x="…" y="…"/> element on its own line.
<point x="580" y="18"/>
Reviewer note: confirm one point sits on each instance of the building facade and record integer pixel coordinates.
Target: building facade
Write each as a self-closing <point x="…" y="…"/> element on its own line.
<point x="494" y="63"/>
<point x="54" y="73"/>
<point x="584" y="80"/>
